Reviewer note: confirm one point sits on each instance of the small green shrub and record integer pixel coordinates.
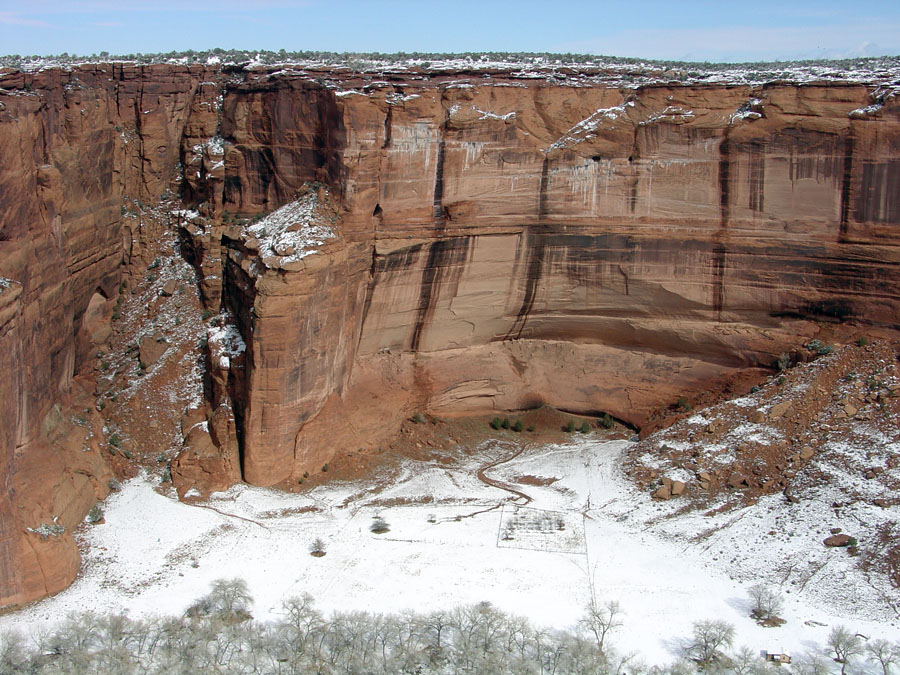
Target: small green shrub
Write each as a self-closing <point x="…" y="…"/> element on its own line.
<point x="115" y="441"/>
<point x="682" y="404"/>
<point x="813" y="345"/>
<point x="607" y="422"/>
<point x="206" y="314"/>
<point x="517" y="426"/>
<point x="505" y="423"/>
<point x="785" y="361"/>
<point x="306" y="474"/>
<point x="154" y="264"/>
<point x="95" y="515"/>
<point x="570" y="427"/>
<point x="418" y="418"/>
<point x="495" y="423"/>
<point x="530" y="427"/>
<point x="585" y="427"/>
<point x="325" y="468"/>
<point x="862" y="341"/>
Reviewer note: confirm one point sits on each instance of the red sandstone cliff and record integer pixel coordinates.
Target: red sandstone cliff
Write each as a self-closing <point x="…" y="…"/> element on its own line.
<point x="492" y="242"/>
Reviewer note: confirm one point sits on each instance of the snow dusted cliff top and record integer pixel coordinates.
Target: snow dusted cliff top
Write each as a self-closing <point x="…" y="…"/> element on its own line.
<point x="560" y="68"/>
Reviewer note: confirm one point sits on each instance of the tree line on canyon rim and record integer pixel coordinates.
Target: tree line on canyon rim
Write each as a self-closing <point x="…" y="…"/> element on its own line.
<point x="374" y="60"/>
<point x="218" y="635"/>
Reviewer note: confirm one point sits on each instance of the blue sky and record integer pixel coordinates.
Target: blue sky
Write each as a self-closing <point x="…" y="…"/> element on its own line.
<point x="704" y="31"/>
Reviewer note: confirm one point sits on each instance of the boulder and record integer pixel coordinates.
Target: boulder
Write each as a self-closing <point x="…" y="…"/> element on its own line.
<point x="168" y="289"/>
<point x="152" y="349"/>
<point x="837" y="540"/>
<point x="737" y="480"/>
<point x="662" y="493"/>
<point x="779" y="410"/>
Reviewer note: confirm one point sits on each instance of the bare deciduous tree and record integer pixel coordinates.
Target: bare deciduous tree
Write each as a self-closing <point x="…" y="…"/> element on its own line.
<point x="845" y="644"/>
<point x="883" y="653"/>
<point x="811" y="663"/>
<point x="600" y="620"/>
<point x="767" y="602"/>
<point x="710" y="638"/>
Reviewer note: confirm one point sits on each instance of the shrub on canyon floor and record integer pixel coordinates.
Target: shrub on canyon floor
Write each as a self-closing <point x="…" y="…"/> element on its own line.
<point x="95" y="515"/>
<point x="317" y="548"/>
<point x="496" y="423"/>
<point x="517" y="426"/>
<point x="379" y="526"/>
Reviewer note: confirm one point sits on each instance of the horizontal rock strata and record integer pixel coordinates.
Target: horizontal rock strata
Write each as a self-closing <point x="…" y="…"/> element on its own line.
<point x="459" y="243"/>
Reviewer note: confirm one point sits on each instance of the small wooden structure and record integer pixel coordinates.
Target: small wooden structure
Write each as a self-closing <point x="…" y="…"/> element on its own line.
<point x="778" y="656"/>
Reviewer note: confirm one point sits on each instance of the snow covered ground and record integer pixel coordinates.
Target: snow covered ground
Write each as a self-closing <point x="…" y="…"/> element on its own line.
<point x="455" y="540"/>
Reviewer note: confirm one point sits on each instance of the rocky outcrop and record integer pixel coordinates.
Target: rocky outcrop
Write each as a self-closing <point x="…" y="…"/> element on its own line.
<point x="453" y="243"/>
<point x="79" y="147"/>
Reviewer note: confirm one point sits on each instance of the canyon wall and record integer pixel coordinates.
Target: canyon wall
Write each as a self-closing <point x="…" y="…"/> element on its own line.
<point x="491" y="241"/>
<point x="76" y="146"/>
<point x="503" y="244"/>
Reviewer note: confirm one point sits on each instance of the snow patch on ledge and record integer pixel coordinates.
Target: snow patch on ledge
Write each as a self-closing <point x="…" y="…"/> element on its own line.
<point x="751" y="110"/>
<point x="581" y="131"/>
<point x="215" y="146"/>
<point x="879" y="97"/>
<point x="395" y="98"/>
<point x="292" y="232"/>
<point x="225" y="342"/>
<point x="672" y="113"/>
<point x="488" y="115"/>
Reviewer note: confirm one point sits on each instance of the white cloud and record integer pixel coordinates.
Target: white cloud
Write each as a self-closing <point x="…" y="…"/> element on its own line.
<point x="730" y="43"/>
<point x="117" y="7"/>
<point x="16" y="19"/>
